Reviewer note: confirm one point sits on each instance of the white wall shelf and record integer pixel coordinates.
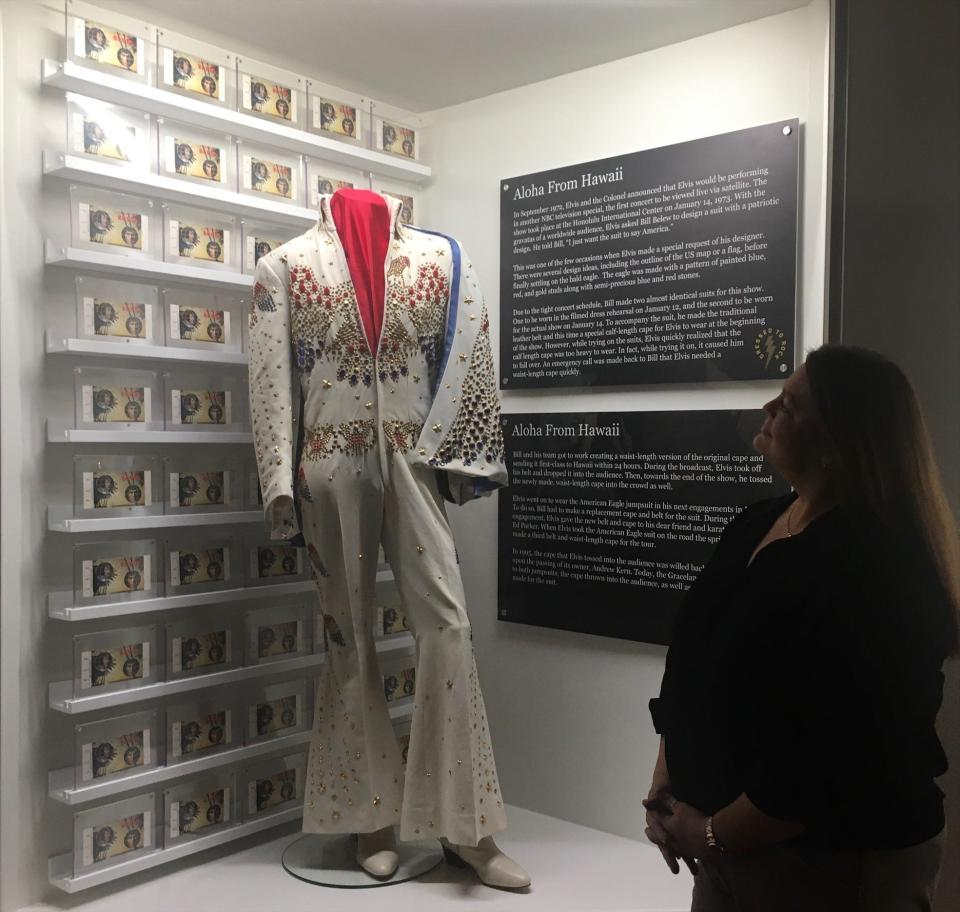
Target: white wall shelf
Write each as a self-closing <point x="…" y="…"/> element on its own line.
<point x="60" y="869"/>
<point x="60" y="605"/>
<point x="63" y="700"/>
<point x="62" y="345"/>
<point x="57" y="432"/>
<point x="126" y="267"/>
<point x="74" y="78"/>
<point x="125" y="180"/>
<point x="61" y="519"/>
<point x="62" y="786"/>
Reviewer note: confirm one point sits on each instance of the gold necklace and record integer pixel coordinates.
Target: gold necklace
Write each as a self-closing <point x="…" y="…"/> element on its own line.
<point x="789" y="533"/>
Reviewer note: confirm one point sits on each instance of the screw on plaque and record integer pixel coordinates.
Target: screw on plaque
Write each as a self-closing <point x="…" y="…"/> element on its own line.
<point x="506" y="186"/>
<point x="787" y="130"/>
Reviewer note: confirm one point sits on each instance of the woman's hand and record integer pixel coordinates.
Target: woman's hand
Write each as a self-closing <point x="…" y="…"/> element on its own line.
<point x="660" y="807"/>
<point x="685" y="829"/>
<point x="657" y="799"/>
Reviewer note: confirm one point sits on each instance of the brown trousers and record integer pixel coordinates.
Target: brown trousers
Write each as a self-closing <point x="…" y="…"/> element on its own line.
<point x="792" y="879"/>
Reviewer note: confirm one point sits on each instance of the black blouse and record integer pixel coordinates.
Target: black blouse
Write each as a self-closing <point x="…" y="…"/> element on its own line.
<point x="811" y="680"/>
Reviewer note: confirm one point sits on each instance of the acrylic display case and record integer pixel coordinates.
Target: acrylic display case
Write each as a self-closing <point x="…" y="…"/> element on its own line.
<point x="200" y="806"/>
<point x="115" y="311"/>
<point x="403" y="192"/>
<point x="201" y="563"/>
<point x="273" y="784"/>
<point x="116" y="399"/>
<point x="196" y="69"/>
<point x="204" y="402"/>
<point x="110" y="42"/>
<point x="254" y="492"/>
<point x="116" y="572"/>
<point x="270" y="173"/>
<point x="393" y="136"/>
<point x="271" y="562"/>
<point x="112" y="833"/>
<point x="202" y="482"/>
<point x="261" y="238"/>
<point x="277" y="710"/>
<point x="193" y="154"/>
<point x="202" y="728"/>
<point x="112" y="660"/>
<point x="108" y="133"/>
<point x="399" y="678"/>
<point x="324" y="178"/>
<point x="114" y="223"/>
<point x="202" y="644"/>
<point x="402" y="730"/>
<point x="114" y="748"/>
<point x="193" y="237"/>
<point x="279" y="632"/>
<point x="116" y="486"/>
<point x="268" y="92"/>
<point x="391" y="619"/>
<point x="337" y="114"/>
<point x="202" y="320"/>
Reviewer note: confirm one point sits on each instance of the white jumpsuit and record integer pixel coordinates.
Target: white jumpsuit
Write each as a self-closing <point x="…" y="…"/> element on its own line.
<point x="353" y="450"/>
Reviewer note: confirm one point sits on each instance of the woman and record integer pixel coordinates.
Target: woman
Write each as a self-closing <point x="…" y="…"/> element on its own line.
<point x="798" y="750"/>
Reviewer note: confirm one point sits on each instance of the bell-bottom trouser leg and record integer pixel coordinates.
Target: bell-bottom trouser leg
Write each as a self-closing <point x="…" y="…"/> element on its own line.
<point x="355" y="780"/>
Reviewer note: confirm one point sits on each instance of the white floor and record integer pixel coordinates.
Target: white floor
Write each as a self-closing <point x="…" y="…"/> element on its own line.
<point x="574" y="869"/>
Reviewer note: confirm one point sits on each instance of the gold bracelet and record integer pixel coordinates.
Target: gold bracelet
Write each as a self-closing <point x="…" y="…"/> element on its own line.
<point x="712" y="842"/>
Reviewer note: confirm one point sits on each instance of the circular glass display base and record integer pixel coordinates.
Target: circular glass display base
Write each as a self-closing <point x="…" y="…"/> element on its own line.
<point x="331" y="861"/>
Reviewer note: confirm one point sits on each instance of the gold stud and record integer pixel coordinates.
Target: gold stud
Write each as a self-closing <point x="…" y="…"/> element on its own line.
<point x="419" y="549"/>
<point x="473" y="316"/>
<point x="483" y="819"/>
<point x="368" y="405"/>
<point x="376" y="798"/>
<point x="327" y="384"/>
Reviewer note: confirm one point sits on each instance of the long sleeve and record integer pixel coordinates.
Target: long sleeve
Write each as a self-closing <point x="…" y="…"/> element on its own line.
<point x="462" y="436"/>
<point x="272" y="407"/>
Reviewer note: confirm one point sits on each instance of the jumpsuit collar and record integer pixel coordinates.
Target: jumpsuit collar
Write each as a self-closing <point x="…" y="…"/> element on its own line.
<point x="327" y="222"/>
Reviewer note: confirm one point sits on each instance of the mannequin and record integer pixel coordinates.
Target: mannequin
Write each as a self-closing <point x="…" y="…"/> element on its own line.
<point x="373" y="398"/>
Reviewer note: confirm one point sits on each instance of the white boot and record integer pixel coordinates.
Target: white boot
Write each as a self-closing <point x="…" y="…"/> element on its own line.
<point x="490" y="864"/>
<point x="377" y="853"/>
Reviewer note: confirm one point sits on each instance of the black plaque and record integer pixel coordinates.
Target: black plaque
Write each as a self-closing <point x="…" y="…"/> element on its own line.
<point x="610" y="516"/>
<point x="671" y="265"/>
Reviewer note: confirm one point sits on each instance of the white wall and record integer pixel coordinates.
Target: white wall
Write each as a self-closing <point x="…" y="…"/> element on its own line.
<point x="568" y="712"/>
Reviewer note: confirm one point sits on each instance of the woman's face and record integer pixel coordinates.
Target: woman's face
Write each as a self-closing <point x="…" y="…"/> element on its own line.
<point x="793" y="437"/>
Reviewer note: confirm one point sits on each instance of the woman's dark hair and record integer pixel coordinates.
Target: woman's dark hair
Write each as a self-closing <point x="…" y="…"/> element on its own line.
<point x="883" y="456"/>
